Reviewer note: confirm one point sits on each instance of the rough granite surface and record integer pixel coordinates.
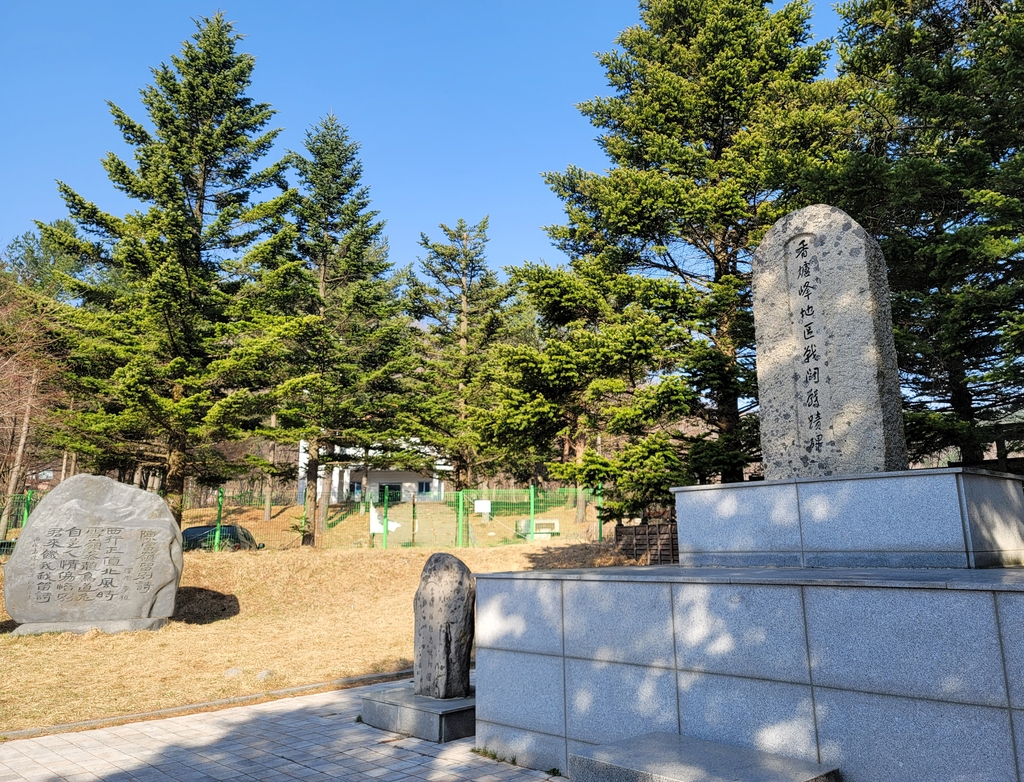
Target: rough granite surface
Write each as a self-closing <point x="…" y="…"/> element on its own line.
<point x="443" y="631"/>
<point x="826" y="362"/>
<point x="94" y="553"/>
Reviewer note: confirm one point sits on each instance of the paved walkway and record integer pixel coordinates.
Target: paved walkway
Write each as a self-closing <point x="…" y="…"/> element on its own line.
<point x="309" y="738"/>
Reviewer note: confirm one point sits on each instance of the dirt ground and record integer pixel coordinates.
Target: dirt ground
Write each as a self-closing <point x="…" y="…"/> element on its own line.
<point x="307" y="615"/>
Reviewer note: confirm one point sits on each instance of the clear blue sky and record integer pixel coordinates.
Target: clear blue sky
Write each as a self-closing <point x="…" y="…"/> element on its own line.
<point x="458" y="105"/>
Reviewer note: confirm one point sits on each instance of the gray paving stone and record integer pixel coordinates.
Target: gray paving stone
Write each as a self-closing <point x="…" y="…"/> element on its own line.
<point x="1011" y="620"/>
<point x="228" y="736"/>
<point x="967" y="742"/>
<point x="764" y="715"/>
<point x="525" y="616"/>
<point x="669" y="757"/>
<point x="522" y="690"/>
<point x="529" y="748"/>
<point x="710" y="520"/>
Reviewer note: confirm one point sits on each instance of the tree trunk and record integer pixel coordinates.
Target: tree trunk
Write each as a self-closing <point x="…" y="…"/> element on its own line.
<point x="174" y="481"/>
<point x="727" y="401"/>
<point x="310" y="505"/>
<point x="581" y="498"/>
<point x="268" y="489"/>
<point x="324" y="507"/>
<point x="961" y="402"/>
<point x="19" y="455"/>
<point x="729" y="433"/>
<point x="63" y="466"/>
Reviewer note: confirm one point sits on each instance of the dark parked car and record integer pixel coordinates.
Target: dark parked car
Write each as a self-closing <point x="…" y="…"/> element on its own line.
<point x="232" y="538"/>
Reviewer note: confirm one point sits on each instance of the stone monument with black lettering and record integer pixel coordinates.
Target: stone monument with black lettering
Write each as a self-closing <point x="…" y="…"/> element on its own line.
<point x="845" y="614"/>
<point x="97" y="554"/>
<point x="827" y="379"/>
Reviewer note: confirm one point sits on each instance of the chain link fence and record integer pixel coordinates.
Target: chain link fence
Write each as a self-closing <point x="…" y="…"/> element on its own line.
<point x="473" y="517"/>
<point x="469" y="518"/>
<point x="14" y="514"/>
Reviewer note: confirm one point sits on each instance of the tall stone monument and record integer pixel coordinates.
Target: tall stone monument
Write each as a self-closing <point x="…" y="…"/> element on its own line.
<point x="826" y="363"/>
<point x="845" y="615"/>
<point x="98" y="554"/>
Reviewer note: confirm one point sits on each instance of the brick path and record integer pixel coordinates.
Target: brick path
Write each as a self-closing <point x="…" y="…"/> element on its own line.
<point x="309" y="738"/>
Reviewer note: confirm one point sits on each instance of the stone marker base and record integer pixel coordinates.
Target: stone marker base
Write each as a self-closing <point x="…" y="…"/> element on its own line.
<point x="668" y="757"/>
<point x="399" y="710"/>
<point x="889" y="674"/>
<point x="109" y="626"/>
<point x="944" y="518"/>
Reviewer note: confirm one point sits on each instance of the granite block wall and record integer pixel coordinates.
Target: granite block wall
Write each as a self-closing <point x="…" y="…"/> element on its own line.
<point x="944" y="518"/>
<point x="895" y="676"/>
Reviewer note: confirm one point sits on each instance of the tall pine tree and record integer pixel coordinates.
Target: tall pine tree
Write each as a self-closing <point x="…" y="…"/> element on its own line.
<point x="349" y="397"/>
<point x="936" y="171"/>
<point x="599" y="395"/>
<point x="164" y="277"/>
<point x="466" y="310"/>
<point x="715" y="107"/>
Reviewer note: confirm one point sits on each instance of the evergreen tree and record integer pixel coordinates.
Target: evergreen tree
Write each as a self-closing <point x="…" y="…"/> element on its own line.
<point x="35" y="261"/>
<point x="598" y="396"/>
<point x="467" y="312"/>
<point x="348" y="398"/>
<point x="936" y="172"/>
<point x="715" y="108"/>
<point x="156" y="313"/>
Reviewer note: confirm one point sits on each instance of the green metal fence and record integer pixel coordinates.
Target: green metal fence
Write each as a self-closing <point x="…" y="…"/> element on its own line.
<point x="21" y="505"/>
<point x="474" y="517"/>
<point x="276" y="524"/>
<point x="469" y="518"/>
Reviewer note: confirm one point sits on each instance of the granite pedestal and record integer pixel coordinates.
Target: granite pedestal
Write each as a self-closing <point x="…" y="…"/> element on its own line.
<point x="667" y="757"/>
<point x="892" y="675"/>
<point x="954" y="517"/>
<point x="400" y="710"/>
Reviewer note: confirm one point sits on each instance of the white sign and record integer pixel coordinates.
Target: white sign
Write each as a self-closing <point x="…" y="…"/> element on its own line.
<point x="481" y="506"/>
<point x="377" y="526"/>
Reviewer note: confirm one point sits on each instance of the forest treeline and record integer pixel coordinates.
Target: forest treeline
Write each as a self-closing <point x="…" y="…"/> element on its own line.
<point x="248" y="299"/>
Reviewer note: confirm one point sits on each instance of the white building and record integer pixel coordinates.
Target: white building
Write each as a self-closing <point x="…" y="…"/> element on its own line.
<point x="346" y="482"/>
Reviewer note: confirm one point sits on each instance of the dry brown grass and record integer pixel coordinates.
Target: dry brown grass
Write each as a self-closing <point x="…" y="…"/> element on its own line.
<point x="307" y="615"/>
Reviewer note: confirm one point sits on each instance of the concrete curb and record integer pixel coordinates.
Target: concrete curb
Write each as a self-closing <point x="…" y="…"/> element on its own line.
<point x="104" y="722"/>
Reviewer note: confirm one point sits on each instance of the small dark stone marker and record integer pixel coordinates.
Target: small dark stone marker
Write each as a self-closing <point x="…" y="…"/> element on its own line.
<point x="443" y="609"/>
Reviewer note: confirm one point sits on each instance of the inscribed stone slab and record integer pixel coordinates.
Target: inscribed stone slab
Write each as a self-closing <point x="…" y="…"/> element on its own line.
<point x="826" y="362"/>
<point x="94" y="553"/>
